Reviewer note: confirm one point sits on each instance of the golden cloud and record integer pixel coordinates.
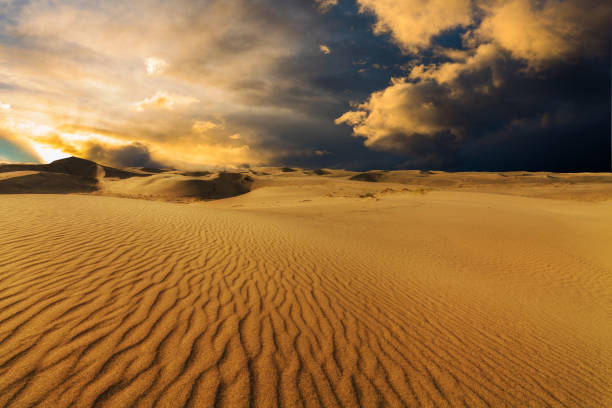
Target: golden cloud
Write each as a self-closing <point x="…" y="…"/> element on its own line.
<point x="412" y="23"/>
<point x="164" y="100"/>
<point x="326" y="5"/>
<point x="82" y="64"/>
<point x="554" y="30"/>
<point x="50" y="144"/>
<point x="155" y="66"/>
<point x="464" y="62"/>
<point x="533" y="31"/>
<point x="325" y="49"/>
<point x="203" y="126"/>
<point x="534" y="34"/>
<point x="402" y="108"/>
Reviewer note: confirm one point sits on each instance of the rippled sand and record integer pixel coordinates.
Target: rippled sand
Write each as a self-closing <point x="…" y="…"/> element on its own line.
<point x="297" y="297"/>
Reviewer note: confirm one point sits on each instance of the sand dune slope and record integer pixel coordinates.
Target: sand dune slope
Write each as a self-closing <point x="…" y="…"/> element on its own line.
<point x="171" y="186"/>
<point x="74" y="166"/>
<point x="112" y="302"/>
<point x="21" y="182"/>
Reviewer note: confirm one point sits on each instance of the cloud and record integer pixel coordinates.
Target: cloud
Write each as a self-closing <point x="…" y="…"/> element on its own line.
<point x="470" y="118"/>
<point x="132" y="155"/>
<point x="403" y="108"/>
<point x="5" y="106"/>
<point x="164" y="100"/>
<point x="509" y="71"/>
<point x="99" y="148"/>
<point x="203" y="126"/>
<point x="326" y="5"/>
<point x="192" y="150"/>
<point x="535" y="31"/>
<point x="82" y="63"/>
<point x="325" y="49"/>
<point x="155" y="66"/>
<point x="462" y="62"/>
<point x="546" y="31"/>
<point x="413" y="23"/>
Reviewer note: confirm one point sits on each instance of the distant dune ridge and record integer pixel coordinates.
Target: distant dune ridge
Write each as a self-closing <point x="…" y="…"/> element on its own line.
<point x="76" y="175"/>
<point x="371" y="176"/>
<point x="176" y="186"/>
<point x="304" y="289"/>
<point x="74" y="166"/>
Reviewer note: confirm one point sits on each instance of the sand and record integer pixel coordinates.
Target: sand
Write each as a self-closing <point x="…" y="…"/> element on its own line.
<point x="25" y="182"/>
<point x="76" y="175"/>
<point x="312" y="290"/>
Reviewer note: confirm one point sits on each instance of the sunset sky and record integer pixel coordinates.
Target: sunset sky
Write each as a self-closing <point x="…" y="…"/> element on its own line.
<point x="356" y="84"/>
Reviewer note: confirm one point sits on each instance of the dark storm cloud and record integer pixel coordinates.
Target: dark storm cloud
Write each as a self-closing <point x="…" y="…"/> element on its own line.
<point x="133" y="155"/>
<point x="535" y="98"/>
<point x="500" y="118"/>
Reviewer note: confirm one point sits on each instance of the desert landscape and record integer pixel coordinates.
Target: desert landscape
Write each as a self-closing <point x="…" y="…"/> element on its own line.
<point x="287" y="287"/>
<point x="305" y="203"/>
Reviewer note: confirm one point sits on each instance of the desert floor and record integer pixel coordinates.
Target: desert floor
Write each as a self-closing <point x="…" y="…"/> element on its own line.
<point x="318" y="292"/>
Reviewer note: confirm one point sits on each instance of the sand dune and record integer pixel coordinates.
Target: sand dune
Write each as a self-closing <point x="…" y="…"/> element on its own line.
<point x="74" y="166"/>
<point x="70" y="175"/>
<point x="22" y="182"/>
<point x="177" y="187"/>
<point x="76" y="175"/>
<point x="307" y="295"/>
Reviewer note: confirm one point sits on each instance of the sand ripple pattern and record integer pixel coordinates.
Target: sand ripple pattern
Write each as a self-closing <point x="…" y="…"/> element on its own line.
<point x="107" y="302"/>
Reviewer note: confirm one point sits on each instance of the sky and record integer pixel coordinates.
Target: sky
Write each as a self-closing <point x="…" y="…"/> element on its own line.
<point x="450" y="85"/>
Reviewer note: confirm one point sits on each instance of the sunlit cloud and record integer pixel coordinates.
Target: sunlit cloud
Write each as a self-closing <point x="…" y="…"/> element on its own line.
<point x="81" y="63"/>
<point x="101" y="148"/>
<point x="48" y="154"/>
<point x="155" y="66"/>
<point x="203" y="126"/>
<point x="402" y="108"/>
<point x="325" y="49"/>
<point x="483" y="56"/>
<point x="556" y="29"/>
<point x="503" y="42"/>
<point x="412" y="23"/>
<point x="164" y="100"/>
<point x="326" y="5"/>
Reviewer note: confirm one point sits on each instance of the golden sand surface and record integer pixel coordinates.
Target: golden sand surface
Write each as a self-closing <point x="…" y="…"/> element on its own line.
<point x="326" y="292"/>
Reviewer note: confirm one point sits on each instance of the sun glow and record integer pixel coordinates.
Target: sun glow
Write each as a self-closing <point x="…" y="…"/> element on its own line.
<point x="48" y="154"/>
<point x="48" y="149"/>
